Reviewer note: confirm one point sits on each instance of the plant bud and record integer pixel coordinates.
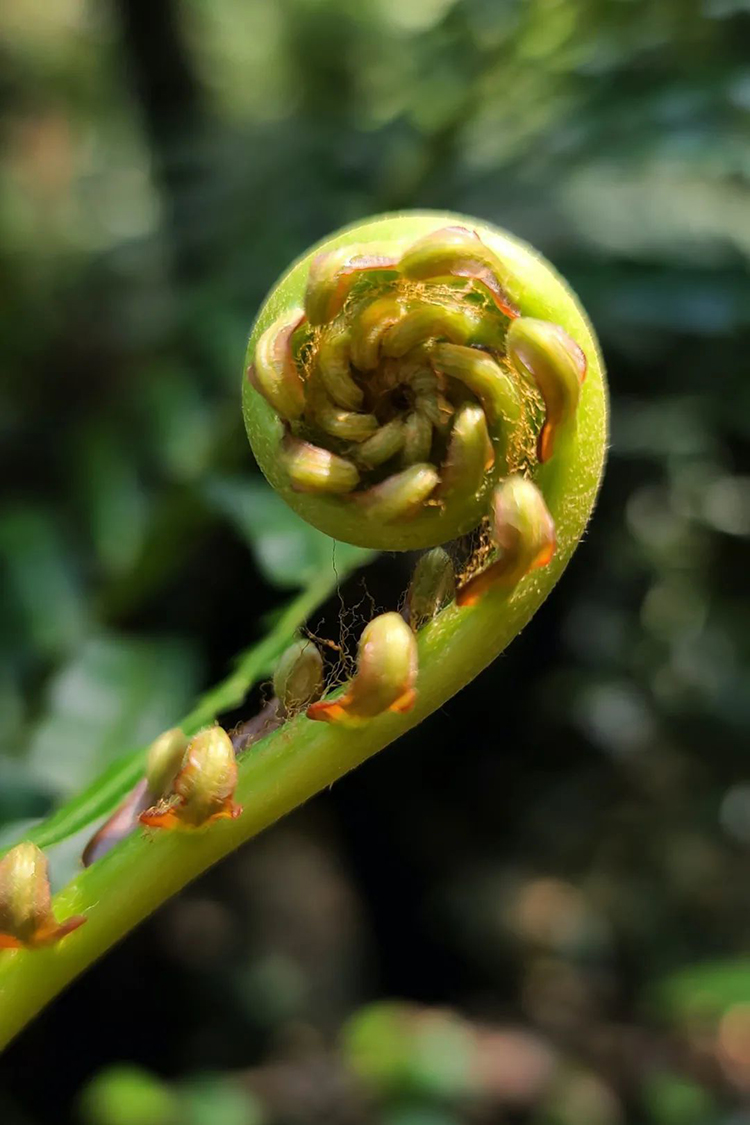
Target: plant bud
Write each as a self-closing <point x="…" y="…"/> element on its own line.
<point x="314" y="469"/>
<point x="26" y="918"/>
<point x="400" y="495"/>
<point x="429" y="321"/>
<point x="334" y="272"/>
<point x="432" y="586"/>
<point x="369" y="328"/>
<point x="417" y="438"/>
<point x="418" y="374"/>
<point x="347" y="425"/>
<point x="470" y="454"/>
<point x="399" y="337"/>
<point x="484" y="377"/>
<point x="547" y="355"/>
<point x="204" y="787"/>
<point x="274" y="373"/>
<point x="335" y="370"/>
<point x="381" y="446"/>
<point x="524" y="533"/>
<point x="386" y="675"/>
<point x="458" y="252"/>
<point x="424" y="386"/>
<point x="298" y="679"/>
<point x="165" y="756"/>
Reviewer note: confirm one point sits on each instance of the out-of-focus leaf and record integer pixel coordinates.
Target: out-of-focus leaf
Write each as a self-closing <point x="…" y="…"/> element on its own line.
<point x="11" y="701"/>
<point x="21" y="795"/>
<point x="209" y="1099"/>
<point x="180" y="424"/>
<point x="289" y="551"/>
<point x="397" y="1049"/>
<point x="115" y="500"/>
<point x="672" y="1100"/>
<point x="420" y="1115"/>
<point x="41" y="577"/>
<point x="97" y="800"/>
<point x="703" y="991"/>
<point x="128" y="1095"/>
<point x="114" y="694"/>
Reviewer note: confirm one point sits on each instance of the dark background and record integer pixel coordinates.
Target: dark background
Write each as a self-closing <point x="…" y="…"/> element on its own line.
<point x="550" y="878"/>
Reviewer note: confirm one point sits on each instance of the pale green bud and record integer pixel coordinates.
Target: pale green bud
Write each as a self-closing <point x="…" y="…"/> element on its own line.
<point x="430" y="321"/>
<point x="381" y="446"/>
<point x="524" y="533"/>
<point x="333" y="273"/>
<point x="369" y="328"/>
<point x="347" y="425"/>
<point x="400" y="495"/>
<point x="470" y="455"/>
<point x="335" y="368"/>
<point x="164" y="759"/>
<point x="298" y="679"/>
<point x="274" y="372"/>
<point x="547" y="355"/>
<point x="417" y="438"/>
<point x="313" y="469"/>
<point x="26" y="918"/>
<point x="459" y="252"/>
<point x="204" y="787"/>
<point x="484" y="377"/>
<point x="432" y="586"/>
<point x="387" y="665"/>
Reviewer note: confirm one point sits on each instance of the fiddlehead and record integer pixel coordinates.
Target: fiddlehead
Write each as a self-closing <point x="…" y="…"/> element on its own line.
<point x="398" y="374"/>
<point x="396" y="396"/>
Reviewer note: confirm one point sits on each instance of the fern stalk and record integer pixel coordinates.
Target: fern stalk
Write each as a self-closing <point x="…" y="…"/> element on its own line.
<point x="298" y="760"/>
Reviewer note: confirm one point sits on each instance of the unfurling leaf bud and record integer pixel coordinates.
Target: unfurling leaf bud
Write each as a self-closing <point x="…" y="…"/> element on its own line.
<point x="483" y="376"/>
<point x="386" y="675"/>
<point x="458" y="252"/>
<point x="547" y="355"/>
<point x="427" y="321"/>
<point x="432" y="586"/>
<point x="381" y="446"/>
<point x="313" y="469"/>
<point x="334" y="272"/>
<point x="335" y="368"/>
<point x="165" y="756"/>
<point x="370" y="326"/>
<point x="470" y="454"/>
<point x="347" y="425"/>
<point x="26" y="918"/>
<point x="274" y="372"/>
<point x="203" y="789"/>
<point x="298" y="679"/>
<point x="417" y="434"/>
<point x="398" y="496"/>
<point x="523" y="531"/>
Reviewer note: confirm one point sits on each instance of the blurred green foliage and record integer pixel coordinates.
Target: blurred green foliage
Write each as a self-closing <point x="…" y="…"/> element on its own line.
<point x="567" y="860"/>
<point x="129" y="1096"/>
